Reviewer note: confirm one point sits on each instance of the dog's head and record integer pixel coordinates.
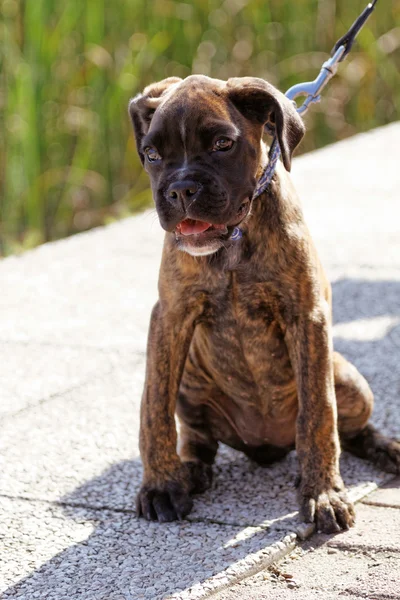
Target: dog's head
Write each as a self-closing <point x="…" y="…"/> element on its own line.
<point x="199" y="139"/>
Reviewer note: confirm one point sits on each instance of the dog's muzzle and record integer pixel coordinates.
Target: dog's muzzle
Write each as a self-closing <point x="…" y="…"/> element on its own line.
<point x="199" y="238"/>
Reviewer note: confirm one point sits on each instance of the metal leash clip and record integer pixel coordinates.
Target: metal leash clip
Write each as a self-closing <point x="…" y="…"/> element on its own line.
<point x="312" y="89"/>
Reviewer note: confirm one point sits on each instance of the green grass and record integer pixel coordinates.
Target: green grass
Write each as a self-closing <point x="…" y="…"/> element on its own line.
<point x="68" y="69"/>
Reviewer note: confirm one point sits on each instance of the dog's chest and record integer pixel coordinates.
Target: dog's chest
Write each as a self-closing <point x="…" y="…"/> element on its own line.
<point x="241" y="346"/>
<point x="242" y="343"/>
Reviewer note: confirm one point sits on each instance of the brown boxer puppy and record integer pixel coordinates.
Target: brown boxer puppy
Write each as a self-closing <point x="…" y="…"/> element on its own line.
<point x="240" y="343"/>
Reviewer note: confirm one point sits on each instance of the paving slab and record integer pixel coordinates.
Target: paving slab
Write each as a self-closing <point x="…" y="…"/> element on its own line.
<point x="61" y="553"/>
<point x="388" y="495"/>
<point x="58" y="446"/>
<point x="33" y="533"/>
<point x="361" y="563"/>
<point x="343" y="575"/>
<point x="377" y="528"/>
<point x="94" y="289"/>
<point x="349" y="191"/>
<point x="32" y="373"/>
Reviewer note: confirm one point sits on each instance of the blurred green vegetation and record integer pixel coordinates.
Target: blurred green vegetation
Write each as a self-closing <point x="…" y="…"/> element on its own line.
<point x="68" y="69"/>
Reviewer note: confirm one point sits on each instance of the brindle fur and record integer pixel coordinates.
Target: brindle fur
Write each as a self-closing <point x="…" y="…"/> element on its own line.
<point x="240" y="344"/>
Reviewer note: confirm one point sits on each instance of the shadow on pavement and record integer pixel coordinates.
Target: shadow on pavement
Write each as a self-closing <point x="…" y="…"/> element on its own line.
<point x="126" y="558"/>
<point x="367" y="332"/>
<point x="355" y="299"/>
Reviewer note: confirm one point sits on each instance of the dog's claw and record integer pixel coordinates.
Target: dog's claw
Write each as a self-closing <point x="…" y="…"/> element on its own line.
<point x="331" y="511"/>
<point x="170" y="503"/>
<point x="164" y="509"/>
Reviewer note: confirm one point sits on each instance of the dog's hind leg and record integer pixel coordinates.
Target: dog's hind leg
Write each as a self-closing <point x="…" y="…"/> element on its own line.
<point x="355" y="402"/>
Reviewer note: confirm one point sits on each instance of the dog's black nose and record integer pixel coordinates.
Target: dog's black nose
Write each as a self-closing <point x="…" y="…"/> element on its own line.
<point x="184" y="191"/>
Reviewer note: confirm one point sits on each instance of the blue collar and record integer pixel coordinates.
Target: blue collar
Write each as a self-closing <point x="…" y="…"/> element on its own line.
<point x="264" y="181"/>
<point x="268" y="173"/>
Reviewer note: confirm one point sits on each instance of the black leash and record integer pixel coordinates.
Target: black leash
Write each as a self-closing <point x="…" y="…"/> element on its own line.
<point x="349" y="37"/>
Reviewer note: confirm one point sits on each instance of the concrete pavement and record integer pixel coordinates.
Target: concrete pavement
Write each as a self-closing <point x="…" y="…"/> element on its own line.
<point x="73" y="325"/>
<point x="363" y="563"/>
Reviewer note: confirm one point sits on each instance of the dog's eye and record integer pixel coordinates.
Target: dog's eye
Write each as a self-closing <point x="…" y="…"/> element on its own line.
<point x="222" y="144"/>
<point x="152" y="154"/>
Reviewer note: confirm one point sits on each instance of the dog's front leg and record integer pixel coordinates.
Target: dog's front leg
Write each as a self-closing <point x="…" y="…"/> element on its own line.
<point x="164" y="495"/>
<point x="321" y="491"/>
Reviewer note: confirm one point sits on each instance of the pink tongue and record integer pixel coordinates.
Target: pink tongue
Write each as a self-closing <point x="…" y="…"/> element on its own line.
<point x="190" y="226"/>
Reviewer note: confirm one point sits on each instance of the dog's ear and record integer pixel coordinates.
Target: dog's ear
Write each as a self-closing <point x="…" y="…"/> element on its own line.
<point x="142" y="107"/>
<point x="261" y="102"/>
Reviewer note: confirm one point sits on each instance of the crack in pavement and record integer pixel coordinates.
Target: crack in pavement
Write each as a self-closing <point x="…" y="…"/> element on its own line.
<point x="380" y="504"/>
<point x="127" y="511"/>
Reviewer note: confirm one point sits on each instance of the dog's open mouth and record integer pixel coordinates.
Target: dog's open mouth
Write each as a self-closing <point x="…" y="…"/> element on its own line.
<point x="194" y="227"/>
<point x="201" y="237"/>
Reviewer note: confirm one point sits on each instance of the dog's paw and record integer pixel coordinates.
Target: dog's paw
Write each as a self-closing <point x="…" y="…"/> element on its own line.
<point x="384" y="452"/>
<point x="201" y="476"/>
<point x="331" y="510"/>
<point x="165" y="503"/>
<point x="386" y="455"/>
